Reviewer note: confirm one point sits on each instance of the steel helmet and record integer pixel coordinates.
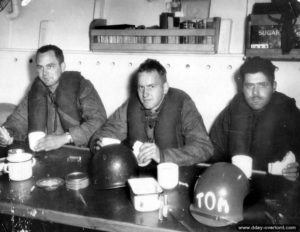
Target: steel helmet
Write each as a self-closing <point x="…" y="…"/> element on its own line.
<point x="219" y="195"/>
<point x="112" y="166"/>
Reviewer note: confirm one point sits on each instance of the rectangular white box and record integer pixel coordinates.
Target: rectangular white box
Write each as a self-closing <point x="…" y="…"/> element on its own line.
<point x="145" y="193"/>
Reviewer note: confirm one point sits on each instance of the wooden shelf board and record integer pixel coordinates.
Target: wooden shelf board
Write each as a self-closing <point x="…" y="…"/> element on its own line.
<point x="154" y="32"/>
<point x="197" y="48"/>
<point x="274" y="54"/>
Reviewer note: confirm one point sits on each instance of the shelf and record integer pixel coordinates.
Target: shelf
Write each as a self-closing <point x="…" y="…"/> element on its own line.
<point x="157" y="40"/>
<point x="274" y="54"/>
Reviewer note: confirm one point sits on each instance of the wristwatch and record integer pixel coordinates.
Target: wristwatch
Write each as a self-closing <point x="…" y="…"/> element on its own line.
<point x="70" y="140"/>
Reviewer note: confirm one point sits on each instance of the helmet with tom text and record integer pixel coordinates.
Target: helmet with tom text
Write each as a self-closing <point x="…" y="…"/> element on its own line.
<point x="219" y="195"/>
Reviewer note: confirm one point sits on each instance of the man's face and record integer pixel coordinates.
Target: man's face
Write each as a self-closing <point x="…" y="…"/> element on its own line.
<point x="151" y="90"/>
<point x="49" y="69"/>
<point x="258" y="90"/>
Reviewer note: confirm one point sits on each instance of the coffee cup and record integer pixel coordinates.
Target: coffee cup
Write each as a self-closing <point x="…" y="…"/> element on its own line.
<point x="1" y="167"/>
<point x="167" y="175"/>
<point x="244" y="162"/>
<point x="15" y="151"/>
<point x="19" y="166"/>
<point x="34" y="137"/>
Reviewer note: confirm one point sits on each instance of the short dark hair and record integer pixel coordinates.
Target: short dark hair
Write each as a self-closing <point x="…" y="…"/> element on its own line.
<point x="150" y="65"/>
<point x="257" y="64"/>
<point x="57" y="51"/>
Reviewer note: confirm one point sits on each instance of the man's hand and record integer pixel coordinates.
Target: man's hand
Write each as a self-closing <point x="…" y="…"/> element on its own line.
<point x="5" y="138"/>
<point x="51" y="142"/>
<point x="291" y="172"/>
<point x="97" y="145"/>
<point x="104" y="141"/>
<point x="148" y="151"/>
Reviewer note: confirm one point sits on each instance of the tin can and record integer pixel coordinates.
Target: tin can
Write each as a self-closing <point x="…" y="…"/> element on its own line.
<point x="187" y="39"/>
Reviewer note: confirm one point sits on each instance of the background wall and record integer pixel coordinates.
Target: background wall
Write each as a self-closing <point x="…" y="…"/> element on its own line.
<point x="70" y="19"/>
<point x="209" y="79"/>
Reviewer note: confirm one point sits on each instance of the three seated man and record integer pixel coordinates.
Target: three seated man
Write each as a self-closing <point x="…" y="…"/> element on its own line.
<point x="259" y="121"/>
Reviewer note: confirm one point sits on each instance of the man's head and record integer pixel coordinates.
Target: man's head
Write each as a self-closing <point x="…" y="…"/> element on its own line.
<point x="151" y="84"/>
<point x="258" y="81"/>
<point x="50" y="65"/>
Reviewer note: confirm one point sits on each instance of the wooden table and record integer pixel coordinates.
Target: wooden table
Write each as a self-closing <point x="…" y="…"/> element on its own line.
<point x="272" y="200"/>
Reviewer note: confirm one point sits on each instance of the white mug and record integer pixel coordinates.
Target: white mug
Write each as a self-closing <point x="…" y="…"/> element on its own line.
<point x="19" y="166"/>
<point x="168" y="175"/>
<point x="34" y="137"/>
<point x="14" y="151"/>
<point x="1" y="167"/>
<point x="244" y="162"/>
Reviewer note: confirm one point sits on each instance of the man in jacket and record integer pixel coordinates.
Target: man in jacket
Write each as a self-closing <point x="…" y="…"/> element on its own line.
<point x="63" y="104"/>
<point x="259" y="121"/>
<point x="165" y="120"/>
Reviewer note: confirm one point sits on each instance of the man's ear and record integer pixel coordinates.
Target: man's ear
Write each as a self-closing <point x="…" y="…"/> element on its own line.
<point x="274" y="86"/>
<point x="166" y="87"/>
<point x="63" y="66"/>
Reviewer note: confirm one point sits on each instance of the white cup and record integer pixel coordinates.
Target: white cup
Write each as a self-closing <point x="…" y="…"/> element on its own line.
<point x="244" y="162"/>
<point x="19" y="166"/>
<point x="167" y="175"/>
<point x="1" y="167"/>
<point x="34" y="137"/>
<point x="14" y="151"/>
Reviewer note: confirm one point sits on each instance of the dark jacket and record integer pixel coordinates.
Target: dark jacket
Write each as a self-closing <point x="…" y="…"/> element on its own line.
<point x="266" y="135"/>
<point x="64" y="100"/>
<point x="168" y="126"/>
<point x="193" y="146"/>
<point x="85" y="101"/>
